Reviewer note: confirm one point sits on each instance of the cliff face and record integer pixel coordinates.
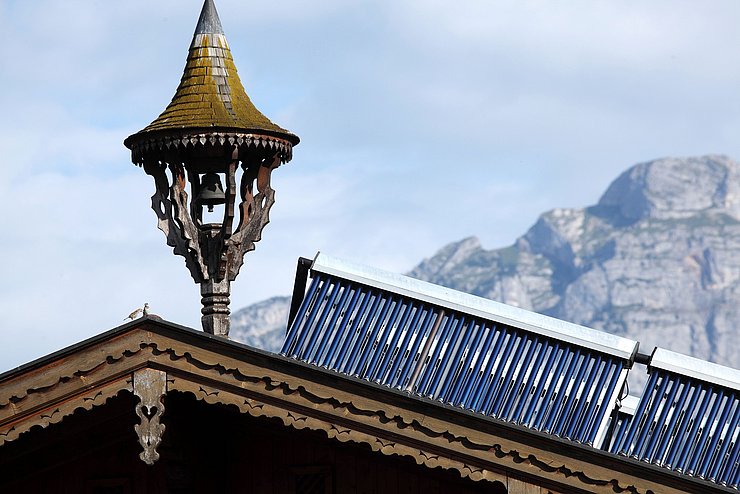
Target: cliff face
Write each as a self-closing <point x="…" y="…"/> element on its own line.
<point x="656" y="260"/>
<point x="262" y="325"/>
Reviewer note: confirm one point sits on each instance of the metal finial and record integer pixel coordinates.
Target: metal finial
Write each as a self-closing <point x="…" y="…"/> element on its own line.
<point x="209" y="23"/>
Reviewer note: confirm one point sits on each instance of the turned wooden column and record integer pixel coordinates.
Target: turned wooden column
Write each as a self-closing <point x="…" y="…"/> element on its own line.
<point x="215" y="300"/>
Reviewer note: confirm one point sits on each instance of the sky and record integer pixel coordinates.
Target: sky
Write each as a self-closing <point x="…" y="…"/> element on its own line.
<point x="421" y="121"/>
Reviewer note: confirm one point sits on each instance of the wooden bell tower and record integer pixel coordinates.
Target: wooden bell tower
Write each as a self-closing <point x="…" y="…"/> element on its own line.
<point x="212" y="149"/>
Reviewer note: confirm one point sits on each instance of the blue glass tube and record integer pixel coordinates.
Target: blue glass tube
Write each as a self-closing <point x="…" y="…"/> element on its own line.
<point x="712" y="448"/>
<point x="372" y="344"/>
<point x="541" y="415"/>
<point x="703" y="436"/>
<point x="530" y="383"/>
<point x="657" y="456"/>
<point x="353" y="333"/>
<point x="468" y="367"/>
<point x="557" y="406"/>
<point x="722" y="457"/>
<point x="595" y="419"/>
<point x="319" y="327"/>
<point x="477" y="373"/>
<point x="732" y="470"/>
<point x="544" y="374"/>
<point x="425" y="328"/>
<point x="516" y="395"/>
<point x="503" y="358"/>
<point x="330" y="333"/>
<point x="384" y="336"/>
<point x="340" y="334"/>
<point x="508" y="376"/>
<point x="598" y="370"/>
<point x="298" y="350"/>
<point x="566" y="414"/>
<point x="596" y="401"/>
<point x="667" y="401"/>
<point x="363" y="336"/>
<point x="455" y="366"/>
<point x="691" y="433"/>
<point x="442" y="354"/>
<point x="288" y="346"/>
<point x="652" y="410"/>
<point x="681" y="437"/>
<point x="447" y="323"/>
<point x="626" y="443"/>
<point x="484" y="382"/>
<point x="376" y="371"/>
<point x="422" y="314"/>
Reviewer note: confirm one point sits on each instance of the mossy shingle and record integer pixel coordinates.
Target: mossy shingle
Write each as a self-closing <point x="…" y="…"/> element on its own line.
<point x="210" y="94"/>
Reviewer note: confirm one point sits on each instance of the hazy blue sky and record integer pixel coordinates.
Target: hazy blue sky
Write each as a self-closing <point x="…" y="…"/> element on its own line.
<point x="422" y="122"/>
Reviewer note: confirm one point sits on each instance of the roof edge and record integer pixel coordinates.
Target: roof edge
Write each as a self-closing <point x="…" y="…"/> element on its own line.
<point x="146" y="323"/>
<point x="206" y="132"/>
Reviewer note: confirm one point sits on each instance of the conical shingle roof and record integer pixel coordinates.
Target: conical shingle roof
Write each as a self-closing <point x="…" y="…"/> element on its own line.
<point x="210" y="96"/>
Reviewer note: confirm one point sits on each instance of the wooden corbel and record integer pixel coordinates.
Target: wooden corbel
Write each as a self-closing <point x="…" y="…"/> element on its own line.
<point x="150" y="386"/>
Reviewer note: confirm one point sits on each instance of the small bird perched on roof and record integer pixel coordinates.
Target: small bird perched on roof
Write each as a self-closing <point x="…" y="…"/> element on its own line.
<point x="140" y="312"/>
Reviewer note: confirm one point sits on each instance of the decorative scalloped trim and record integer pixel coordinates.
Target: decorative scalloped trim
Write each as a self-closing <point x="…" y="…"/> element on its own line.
<point x="291" y="418"/>
<point x="189" y="140"/>
<point x="85" y="401"/>
<point x="14" y="395"/>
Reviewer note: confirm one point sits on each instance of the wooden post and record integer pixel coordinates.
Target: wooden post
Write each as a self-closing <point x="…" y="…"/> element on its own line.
<point x="215" y="300"/>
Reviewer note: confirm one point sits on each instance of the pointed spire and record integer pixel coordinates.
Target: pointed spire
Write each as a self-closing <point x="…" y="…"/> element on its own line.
<point x="210" y="97"/>
<point x="209" y="23"/>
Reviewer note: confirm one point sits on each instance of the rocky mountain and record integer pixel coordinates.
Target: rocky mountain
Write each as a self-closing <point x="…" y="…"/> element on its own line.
<point x="262" y="325"/>
<point x="657" y="260"/>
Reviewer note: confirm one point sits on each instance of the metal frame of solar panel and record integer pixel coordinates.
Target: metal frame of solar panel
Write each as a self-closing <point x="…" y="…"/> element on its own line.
<point x="465" y="351"/>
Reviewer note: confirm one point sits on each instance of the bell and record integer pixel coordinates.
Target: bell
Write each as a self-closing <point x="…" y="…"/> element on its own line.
<point x="211" y="191"/>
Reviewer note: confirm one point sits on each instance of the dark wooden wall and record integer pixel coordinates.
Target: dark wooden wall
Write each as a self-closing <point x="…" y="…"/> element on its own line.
<point x="209" y="448"/>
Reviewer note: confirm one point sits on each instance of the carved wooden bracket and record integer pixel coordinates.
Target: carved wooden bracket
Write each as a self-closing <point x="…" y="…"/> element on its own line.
<point x="150" y="386"/>
<point x="254" y="212"/>
<point x="213" y="255"/>
<point x="214" y="252"/>
<point x="170" y="205"/>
